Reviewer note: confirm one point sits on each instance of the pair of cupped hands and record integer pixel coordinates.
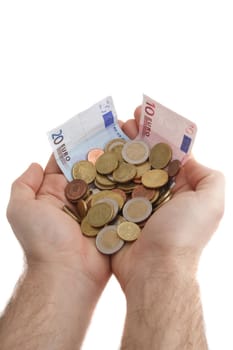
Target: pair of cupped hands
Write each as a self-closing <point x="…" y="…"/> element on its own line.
<point x="172" y="238"/>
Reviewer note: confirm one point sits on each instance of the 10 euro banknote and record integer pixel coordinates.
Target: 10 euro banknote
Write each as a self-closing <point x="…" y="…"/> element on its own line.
<point x="97" y="125"/>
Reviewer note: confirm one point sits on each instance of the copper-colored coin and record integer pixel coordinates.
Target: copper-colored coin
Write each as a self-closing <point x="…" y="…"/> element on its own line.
<point x="81" y="208"/>
<point x="94" y="154"/>
<point x="108" y="241"/>
<point x="84" y="170"/>
<point x="87" y="229"/>
<point x="137" y="209"/>
<point x="70" y="212"/>
<point x="160" y="155"/>
<point x="124" y="173"/>
<point x="135" y="152"/>
<point x="106" y="163"/>
<point x="121" y="193"/>
<point x="128" y="231"/>
<point x="100" y="214"/>
<point x="142" y="191"/>
<point x="174" y="167"/>
<point x="155" y="178"/>
<point x="75" y="190"/>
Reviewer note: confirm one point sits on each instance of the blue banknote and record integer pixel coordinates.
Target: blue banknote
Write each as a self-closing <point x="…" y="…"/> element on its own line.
<point x="92" y="128"/>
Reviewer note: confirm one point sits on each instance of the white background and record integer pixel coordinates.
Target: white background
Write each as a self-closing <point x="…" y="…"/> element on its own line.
<point x="57" y="58"/>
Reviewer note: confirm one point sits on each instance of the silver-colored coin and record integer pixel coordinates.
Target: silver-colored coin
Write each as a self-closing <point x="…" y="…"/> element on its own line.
<point x="135" y="152"/>
<point x="137" y="209"/>
<point x="108" y="241"/>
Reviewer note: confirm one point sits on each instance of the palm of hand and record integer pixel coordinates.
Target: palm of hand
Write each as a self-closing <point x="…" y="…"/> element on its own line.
<point x="48" y="234"/>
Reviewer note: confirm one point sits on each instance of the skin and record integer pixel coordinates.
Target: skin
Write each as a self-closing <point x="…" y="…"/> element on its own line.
<point x="65" y="274"/>
<point x="158" y="272"/>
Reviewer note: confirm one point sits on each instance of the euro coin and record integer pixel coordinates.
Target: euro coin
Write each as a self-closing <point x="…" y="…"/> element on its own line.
<point x="142" y="191"/>
<point x="128" y="231"/>
<point x="114" y="205"/>
<point x="114" y="143"/>
<point x="124" y="173"/>
<point x="75" y="190"/>
<point x="160" y="155"/>
<point x="135" y="152"/>
<point x="155" y="178"/>
<point x="106" y="163"/>
<point x="94" y="154"/>
<point x="87" y="229"/>
<point x="137" y="209"/>
<point x="142" y="168"/>
<point x="81" y="208"/>
<point x="100" y="214"/>
<point x="174" y="167"/>
<point x="108" y="241"/>
<point x="84" y="170"/>
<point x="68" y="211"/>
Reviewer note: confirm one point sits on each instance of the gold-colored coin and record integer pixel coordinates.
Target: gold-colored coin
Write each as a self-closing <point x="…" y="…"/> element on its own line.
<point x="81" y="208"/>
<point x="68" y="211"/>
<point x="127" y="187"/>
<point x="113" y="203"/>
<point x="155" y="198"/>
<point x="167" y="199"/>
<point x="104" y="180"/>
<point x="106" y="163"/>
<point x="142" y="168"/>
<point x="87" y="229"/>
<point x="100" y="214"/>
<point x="135" y="152"/>
<point x="113" y="143"/>
<point x="84" y="170"/>
<point x="137" y="209"/>
<point x="160" y="155"/>
<point x="118" y="151"/>
<point x="108" y="241"/>
<point x="128" y="231"/>
<point x="108" y="194"/>
<point x="124" y="173"/>
<point x="104" y="187"/>
<point x="155" y="178"/>
<point x="118" y="220"/>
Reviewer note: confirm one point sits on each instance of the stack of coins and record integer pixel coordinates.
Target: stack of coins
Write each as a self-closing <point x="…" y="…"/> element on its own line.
<point x="116" y="190"/>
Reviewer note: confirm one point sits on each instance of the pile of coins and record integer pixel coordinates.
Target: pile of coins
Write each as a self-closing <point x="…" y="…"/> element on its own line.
<point x="116" y="190"/>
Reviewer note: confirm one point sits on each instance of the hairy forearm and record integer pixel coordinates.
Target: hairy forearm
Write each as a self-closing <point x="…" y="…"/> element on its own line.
<point x="50" y="310"/>
<point x="164" y="313"/>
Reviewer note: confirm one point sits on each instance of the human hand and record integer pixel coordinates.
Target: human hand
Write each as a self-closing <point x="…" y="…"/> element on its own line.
<point x="48" y="235"/>
<point x="175" y="235"/>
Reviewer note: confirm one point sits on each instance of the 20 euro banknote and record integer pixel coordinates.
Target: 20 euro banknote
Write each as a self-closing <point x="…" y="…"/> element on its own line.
<point x="160" y="124"/>
<point x="92" y="128"/>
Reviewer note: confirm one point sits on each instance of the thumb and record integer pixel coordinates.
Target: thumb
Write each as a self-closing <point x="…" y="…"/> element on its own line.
<point x="28" y="184"/>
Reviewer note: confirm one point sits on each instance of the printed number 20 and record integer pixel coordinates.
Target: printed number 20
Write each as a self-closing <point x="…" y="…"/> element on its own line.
<point x="57" y="138"/>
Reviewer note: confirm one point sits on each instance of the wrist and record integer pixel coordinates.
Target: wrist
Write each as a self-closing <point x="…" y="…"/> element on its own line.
<point x="164" y="268"/>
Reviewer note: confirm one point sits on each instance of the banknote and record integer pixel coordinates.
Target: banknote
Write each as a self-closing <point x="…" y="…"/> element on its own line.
<point x="92" y="128"/>
<point x="160" y="124"/>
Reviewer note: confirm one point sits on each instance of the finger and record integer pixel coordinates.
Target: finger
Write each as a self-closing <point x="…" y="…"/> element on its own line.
<point x="28" y="184"/>
<point x="52" y="167"/>
<point x="130" y="128"/>
<point x="120" y="123"/>
<point x="137" y="114"/>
